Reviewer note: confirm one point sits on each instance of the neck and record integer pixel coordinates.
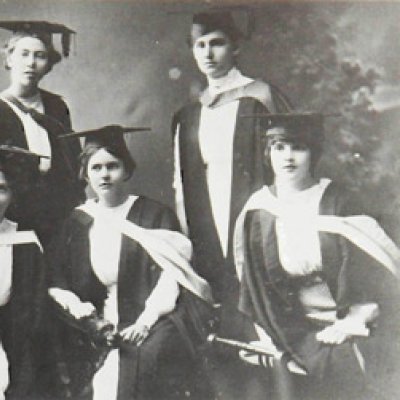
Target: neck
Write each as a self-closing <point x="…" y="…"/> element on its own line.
<point x="216" y="81"/>
<point x="18" y="90"/>
<point x="285" y="187"/>
<point x="113" y="200"/>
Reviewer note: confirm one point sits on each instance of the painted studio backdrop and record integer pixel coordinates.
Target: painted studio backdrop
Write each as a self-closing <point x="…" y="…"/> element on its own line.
<point x="130" y="65"/>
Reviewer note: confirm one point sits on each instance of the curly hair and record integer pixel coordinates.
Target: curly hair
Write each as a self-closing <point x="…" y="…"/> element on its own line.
<point x="54" y="56"/>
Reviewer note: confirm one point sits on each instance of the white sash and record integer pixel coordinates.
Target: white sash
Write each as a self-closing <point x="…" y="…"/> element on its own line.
<point x="20" y="237"/>
<point x="170" y="250"/>
<point x="361" y="230"/>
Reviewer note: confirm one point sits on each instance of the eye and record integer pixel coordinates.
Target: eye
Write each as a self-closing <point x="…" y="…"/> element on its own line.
<point x="199" y="45"/>
<point x="41" y="55"/>
<point x="113" y="165"/>
<point x="218" y="42"/>
<point x="95" y="167"/>
<point x="278" y="146"/>
<point x="299" y="147"/>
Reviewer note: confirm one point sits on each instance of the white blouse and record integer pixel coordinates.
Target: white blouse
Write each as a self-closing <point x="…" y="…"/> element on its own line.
<point x="36" y="136"/>
<point x="105" y="248"/>
<point x="6" y="227"/>
<point x="299" y="246"/>
<point x="216" y="134"/>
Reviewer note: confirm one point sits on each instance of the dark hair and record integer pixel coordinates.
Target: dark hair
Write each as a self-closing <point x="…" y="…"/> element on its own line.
<point x="54" y="56"/>
<point x="212" y="22"/>
<point x="315" y="147"/>
<point x="11" y="180"/>
<point x="122" y="153"/>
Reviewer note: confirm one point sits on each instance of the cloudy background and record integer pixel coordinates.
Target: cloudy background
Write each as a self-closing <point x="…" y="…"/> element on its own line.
<point x="130" y="65"/>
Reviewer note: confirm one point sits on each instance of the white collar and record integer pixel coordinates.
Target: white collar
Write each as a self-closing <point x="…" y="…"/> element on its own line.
<point x="233" y="79"/>
<point x="7" y="226"/>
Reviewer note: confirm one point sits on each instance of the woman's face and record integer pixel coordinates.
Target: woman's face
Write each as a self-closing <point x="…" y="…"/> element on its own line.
<point x="214" y="54"/>
<point x="28" y="61"/>
<point x="5" y="194"/>
<point x="106" y="175"/>
<point x="290" y="161"/>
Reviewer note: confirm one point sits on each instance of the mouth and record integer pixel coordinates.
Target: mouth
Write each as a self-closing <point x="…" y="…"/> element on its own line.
<point x="105" y="185"/>
<point x="289" y="168"/>
<point x="30" y="74"/>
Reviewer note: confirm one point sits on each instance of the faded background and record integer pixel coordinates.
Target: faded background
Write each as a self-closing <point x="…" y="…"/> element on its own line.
<point x="131" y="65"/>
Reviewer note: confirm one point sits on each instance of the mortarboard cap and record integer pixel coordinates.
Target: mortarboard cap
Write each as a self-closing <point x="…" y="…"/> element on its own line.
<point x="111" y="137"/>
<point x="44" y="31"/>
<point x="21" y="165"/>
<point x="235" y="21"/>
<point x="306" y="127"/>
<point x="107" y="135"/>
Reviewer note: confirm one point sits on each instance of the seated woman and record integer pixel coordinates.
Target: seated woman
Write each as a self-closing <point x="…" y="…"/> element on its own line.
<point x="22" y="285"/>
<point x="107" y="262"/>
<point x="313" y="276"/>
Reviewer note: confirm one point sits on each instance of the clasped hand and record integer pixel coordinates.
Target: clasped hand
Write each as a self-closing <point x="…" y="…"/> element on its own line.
<point x="136" y="333"/>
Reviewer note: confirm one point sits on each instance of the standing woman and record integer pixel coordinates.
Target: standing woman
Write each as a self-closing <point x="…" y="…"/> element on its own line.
<point x="22" y="286"/>
<point x="33" y="118"/>
<point x="102" y="264"/>
<point x="315" y="276"/>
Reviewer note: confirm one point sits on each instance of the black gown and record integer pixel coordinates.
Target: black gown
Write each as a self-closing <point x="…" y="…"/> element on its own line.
<point x="160" y="367"/>
<point x="50" y="197"/>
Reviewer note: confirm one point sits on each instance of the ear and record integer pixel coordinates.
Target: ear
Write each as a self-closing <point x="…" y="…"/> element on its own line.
<point x="8" y="62"/>
<point x="127" y="176"/>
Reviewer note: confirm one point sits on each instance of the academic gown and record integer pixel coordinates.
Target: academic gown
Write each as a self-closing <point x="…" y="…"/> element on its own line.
<point x="270" y="296"/>
<point x="158" y="368"/>
<point x="22" y="332"/>
<point x="230" y="378"/>
<point x="50" y="196"/>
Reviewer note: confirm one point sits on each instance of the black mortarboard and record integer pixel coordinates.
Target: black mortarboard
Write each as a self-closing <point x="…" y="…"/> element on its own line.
<point x="236" y="21"/>
<point x="302" y="126"/>
<point x="19" y="164"/>
<point x="107" y="135"/>
<point x="207" y="22"/>
<point x="43" y="30"/>
<point x="112" y="138"/>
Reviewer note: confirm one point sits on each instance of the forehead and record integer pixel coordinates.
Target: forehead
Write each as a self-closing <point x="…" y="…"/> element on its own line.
<point x="102" y="156"/>
<point x="30" y="43"/>
<point x="211" y="36"/>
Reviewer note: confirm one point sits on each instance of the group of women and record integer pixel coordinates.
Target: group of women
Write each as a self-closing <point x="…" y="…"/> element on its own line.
<point x="95" y="306"/>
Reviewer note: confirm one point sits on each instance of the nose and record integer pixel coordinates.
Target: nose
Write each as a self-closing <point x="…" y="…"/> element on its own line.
<point x="208" y="51"/>
<point x="31" y="60"/>
<point x="105" y="173"/>
<point x="288" y="153"/>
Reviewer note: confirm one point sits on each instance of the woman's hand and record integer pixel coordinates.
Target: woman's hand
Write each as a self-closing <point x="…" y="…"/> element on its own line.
<point x="136" y="333"/>
<point x="80" y="310"/>
<point x="71" y="302"/>
<point x="342" y="330"/>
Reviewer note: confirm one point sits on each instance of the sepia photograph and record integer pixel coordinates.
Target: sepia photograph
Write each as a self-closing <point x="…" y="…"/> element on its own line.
<point x="200" y="200"/>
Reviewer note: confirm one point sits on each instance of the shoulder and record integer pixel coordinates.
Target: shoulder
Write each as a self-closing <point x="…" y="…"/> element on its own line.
<point x="152" y="214"/>
<point x="267" y="94"/>
<point x="186" y="109"/>
<point x="336" y="200"/>
<point x="54" y="104"/>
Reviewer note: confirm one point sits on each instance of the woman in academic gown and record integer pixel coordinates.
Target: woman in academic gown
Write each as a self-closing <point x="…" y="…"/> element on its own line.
<point x="316" y="278"/>
<point x="33" y="118"/>
<point x="22" y="287"/>
<point x="97" y="269"/>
